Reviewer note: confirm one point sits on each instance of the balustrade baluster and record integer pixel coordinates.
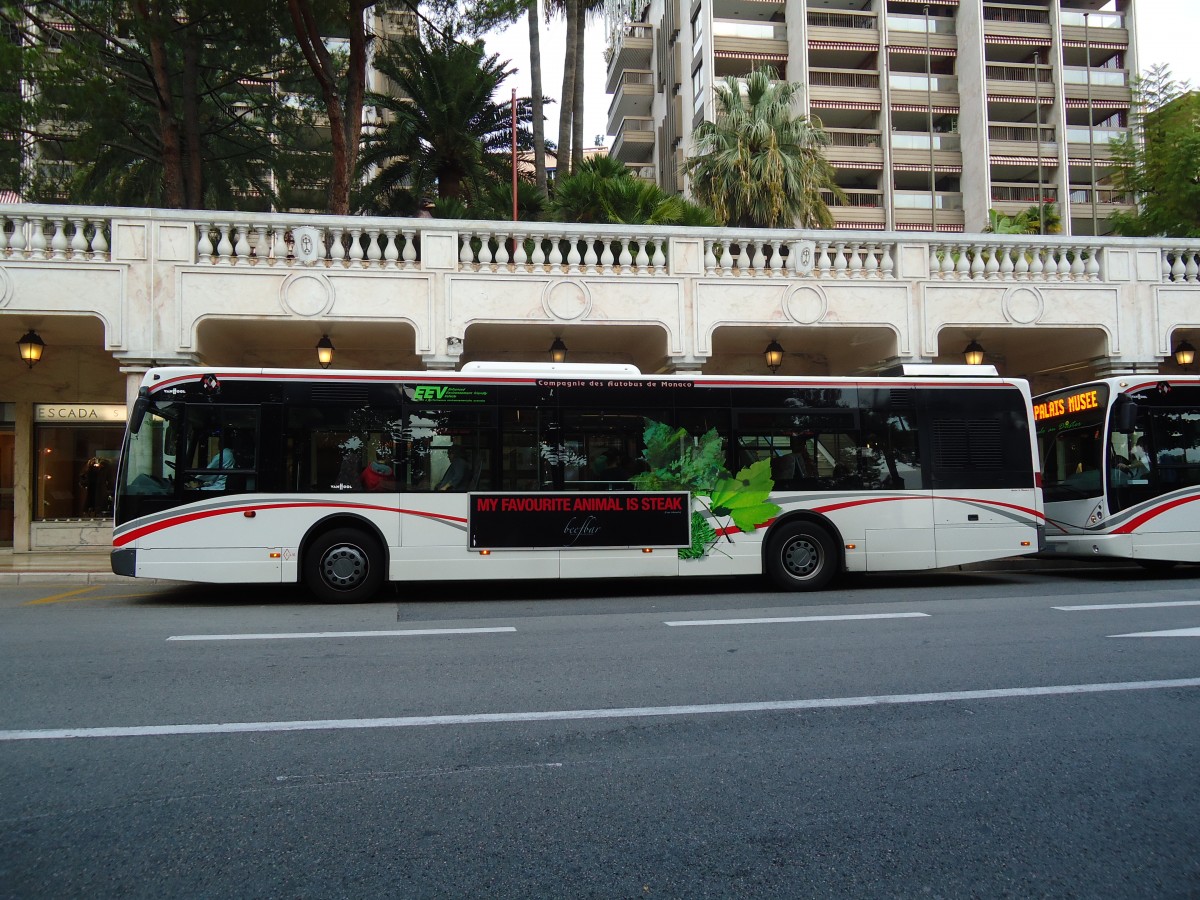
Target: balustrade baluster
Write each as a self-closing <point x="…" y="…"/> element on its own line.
<point x="262" y="247"/>
<point x="242" y="246"/>
<point x="79" y="244"/>
<point x="949" y="261"/>
<point x="643" y="258"/>
<point x="1020" y="263"/>
<point x="354" y="255"/>
<point x="37" y="239"/>
<point x="4" y="220"/>
<point x="204" y="248"/>
<point x="626" y="258"/>
<point x="727" y="258"/>
<point x="1166" y="265"/>
<point x="374" y="251"/>
<point x="870" y="264"/>
<point x="1035" y="264"/>
<point x="823" y="261"/>
<point x="854" y="265"/>
<point x="1189" y="273"/>
<point x="977" y="265"/>
<point x="501" y="258"/>
<point x="99" y="242"/>
<point x="279" y="245"/>
<point x="606" y="255"/>
<point x="1093" y="265"/>
<point x="466" y="253"/>
<point x="58" y="243"/>
<point x="1006" y="263"/>
<point x="539" y="255"/>
<point x="1076" y="265"/>
<point x="19" y="238"/>
<point x="776" y="262"/>
<point x="556" y="257"/>
<point x="224" y="244"/>
<point x="391" y="249"/>
<point x="935" y="260"/>
<point x="1050" y="267"/>
<point x="710" y="258"/>
<point x="991" y="269"/>
<point x="887" y="265"/>
<point x="409" y="253"/>
<point x="759" y="259"/>
<point x="520" y="255"/>
<point x="962" y="264"/>
<point x="659" y="261"/>
<point x="573" y="254"/>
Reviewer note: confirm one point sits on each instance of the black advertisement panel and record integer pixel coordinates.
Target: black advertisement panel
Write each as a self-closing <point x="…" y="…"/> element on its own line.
<point x="612" y="519"/>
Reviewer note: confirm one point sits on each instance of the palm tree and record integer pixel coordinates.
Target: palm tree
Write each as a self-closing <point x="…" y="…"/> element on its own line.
<point x="760" y="164"/>
<point x="444" y="128"/>
<point x="570" y="115"/>
<point x="603" y="190"/>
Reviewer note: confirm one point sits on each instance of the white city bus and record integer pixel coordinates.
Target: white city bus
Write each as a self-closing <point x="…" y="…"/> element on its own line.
<point x="345" y="480"/>
<point x="1121" y="468"/>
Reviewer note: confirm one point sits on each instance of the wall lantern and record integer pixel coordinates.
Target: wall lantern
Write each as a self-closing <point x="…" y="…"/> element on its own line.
<point x="774" y="356"/>
<point x="973" y="353"/>
<point x="31" y="348"/>
<point x="325" y="351"/>
<point x="1185" y="354"/>
<point x="558" y="351"/>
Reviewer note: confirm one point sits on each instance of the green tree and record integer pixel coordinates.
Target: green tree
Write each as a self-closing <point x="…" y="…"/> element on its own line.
<point x="160" y="104"/>
<point x="444" y="131"/>
<point x="1158" y="160"/>
<point x="760" y="164"/>
<point x="602" y="190"/>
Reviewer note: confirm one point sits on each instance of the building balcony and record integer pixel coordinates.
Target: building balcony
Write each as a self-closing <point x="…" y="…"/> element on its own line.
<point x="854" y="146"/>
<point x="1013" y="139"/>
<point x="910" y="89"/>
<point x="630" y="46"/>
<point x="1006" y="22"/>
<point x="834" y="28"/>
<point x="634" y="96"/>
<point x="845" y="85"/>
<point x="1019" y="80"/>
<point x="634" y="141"/>
<point x="913" y="148"/>
<point x="1106" y="85"/>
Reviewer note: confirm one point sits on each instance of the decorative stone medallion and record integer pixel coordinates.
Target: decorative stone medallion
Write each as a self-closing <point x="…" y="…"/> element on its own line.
<point x="306" y="294"/>
<point x="1023" y="305"/>
<point x="566" y="299"/>
<point x="806" y="304"/>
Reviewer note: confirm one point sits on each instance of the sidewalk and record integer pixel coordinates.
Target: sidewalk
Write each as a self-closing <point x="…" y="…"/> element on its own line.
<point x="69" y="567"/>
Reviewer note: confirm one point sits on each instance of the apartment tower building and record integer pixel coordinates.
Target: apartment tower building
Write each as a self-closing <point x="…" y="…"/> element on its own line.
<point x="938" y="110"/>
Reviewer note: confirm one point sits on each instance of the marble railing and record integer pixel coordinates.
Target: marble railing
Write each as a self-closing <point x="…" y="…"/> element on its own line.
<point x="85" y="234"/>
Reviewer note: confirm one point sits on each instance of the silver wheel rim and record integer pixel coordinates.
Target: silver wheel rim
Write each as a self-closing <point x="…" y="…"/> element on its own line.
<point x="801" y="557"/>
<point x="344" y="567"/>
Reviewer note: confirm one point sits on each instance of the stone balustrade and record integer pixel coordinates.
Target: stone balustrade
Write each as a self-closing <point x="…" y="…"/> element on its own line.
<point x="153" y="277"/>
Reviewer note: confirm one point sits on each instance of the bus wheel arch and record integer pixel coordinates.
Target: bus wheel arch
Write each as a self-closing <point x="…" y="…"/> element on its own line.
<point x="802" y="551"/>
<point x="343" y="559"/>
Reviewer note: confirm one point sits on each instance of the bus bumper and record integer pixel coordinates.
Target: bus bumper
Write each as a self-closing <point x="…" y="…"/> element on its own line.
<point x="124" y="561"/>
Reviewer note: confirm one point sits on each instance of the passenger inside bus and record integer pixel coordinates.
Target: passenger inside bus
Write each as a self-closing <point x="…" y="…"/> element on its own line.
<point x="379" y="474"/>
<point x="457" y="475"/>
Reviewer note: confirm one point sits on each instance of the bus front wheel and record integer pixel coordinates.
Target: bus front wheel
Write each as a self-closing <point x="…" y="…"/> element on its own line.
<point x="344" y="566"/>
<point x="801" y="557"/>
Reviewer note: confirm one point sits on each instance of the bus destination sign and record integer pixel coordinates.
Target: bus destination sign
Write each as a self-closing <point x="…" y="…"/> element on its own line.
<point x="570" y="520"/>
<point x="1067" y="404"/>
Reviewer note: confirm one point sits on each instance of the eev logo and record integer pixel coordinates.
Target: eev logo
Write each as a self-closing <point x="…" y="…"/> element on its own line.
<point x="429" y="392"/>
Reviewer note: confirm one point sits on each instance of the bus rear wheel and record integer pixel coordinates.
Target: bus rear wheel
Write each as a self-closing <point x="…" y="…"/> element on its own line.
<point x="801" y="557"/>
<point x="344" y="566"/>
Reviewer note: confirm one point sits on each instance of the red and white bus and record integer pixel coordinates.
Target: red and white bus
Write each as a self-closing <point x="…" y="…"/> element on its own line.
<point x="1121" y="468"/>
<point x="346" y="480"/>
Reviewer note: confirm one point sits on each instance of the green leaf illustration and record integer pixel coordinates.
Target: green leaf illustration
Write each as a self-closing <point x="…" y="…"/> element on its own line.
<point x="744" y="497"/>
<point x="703" y="537"/>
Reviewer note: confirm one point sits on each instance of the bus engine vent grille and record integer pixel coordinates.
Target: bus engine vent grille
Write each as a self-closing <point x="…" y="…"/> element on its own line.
<point x="340" y="393"/>
<point x="967" y="444"/>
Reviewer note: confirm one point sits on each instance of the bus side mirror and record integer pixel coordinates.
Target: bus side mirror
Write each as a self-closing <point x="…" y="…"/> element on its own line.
<point x="1124" y="415"/>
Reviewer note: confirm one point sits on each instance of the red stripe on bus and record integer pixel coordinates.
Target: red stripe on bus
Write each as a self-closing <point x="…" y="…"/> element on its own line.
<point x="1137" y="521"/>
<point x="121" y="540"/>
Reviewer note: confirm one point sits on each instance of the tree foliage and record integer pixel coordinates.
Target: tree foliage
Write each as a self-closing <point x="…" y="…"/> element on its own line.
<point x="603" y="190"/>
<point x="760" y="164"/>
<point x="164" y="107"/>
<point x="442" y="133"/>
<point x="1159" y="159"/>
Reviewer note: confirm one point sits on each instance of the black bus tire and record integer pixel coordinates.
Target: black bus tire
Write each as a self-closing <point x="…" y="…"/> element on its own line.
<point x="801" y="556"/>
<point x="344" y="566"/>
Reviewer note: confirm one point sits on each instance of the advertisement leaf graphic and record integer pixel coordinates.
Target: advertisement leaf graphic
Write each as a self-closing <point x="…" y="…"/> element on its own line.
<point x="743" y="498"/>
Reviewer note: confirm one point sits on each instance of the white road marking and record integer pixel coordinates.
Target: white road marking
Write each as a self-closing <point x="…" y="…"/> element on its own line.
<point x="284" y="636"/>
<point x="1178" y="632"/>
<point x="636" y="712"/>
<point x="796" y="619"/>
<point x="1098" y="606"/>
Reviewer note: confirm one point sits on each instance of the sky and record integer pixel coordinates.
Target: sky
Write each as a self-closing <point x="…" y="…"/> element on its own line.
<point x="1167" y="33"/>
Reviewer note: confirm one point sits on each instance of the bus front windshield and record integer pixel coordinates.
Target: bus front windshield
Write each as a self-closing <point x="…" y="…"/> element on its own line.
<point x="1070" y="428"/>
<point x="148" y="460"/>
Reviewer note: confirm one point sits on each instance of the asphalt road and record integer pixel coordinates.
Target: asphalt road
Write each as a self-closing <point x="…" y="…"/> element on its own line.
<point x="943" y="735"/>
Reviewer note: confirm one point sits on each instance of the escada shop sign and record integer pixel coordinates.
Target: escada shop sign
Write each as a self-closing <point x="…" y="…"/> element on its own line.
<point x="96" y="413"/>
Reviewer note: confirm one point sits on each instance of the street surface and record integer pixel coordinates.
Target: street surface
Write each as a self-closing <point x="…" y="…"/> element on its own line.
<point x="1022" y="733"/>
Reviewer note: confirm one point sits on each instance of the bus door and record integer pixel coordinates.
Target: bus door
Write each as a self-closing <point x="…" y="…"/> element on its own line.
<point x="981" y="470"/>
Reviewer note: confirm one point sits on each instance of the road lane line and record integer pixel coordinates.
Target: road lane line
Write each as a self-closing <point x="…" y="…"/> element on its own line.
<point x="779" y="621"/>
<point x="569" y="715"/>
<point x="1153" y="605"/>
<point x="59" y="598"/>
<point x="300" y="635"/>
<point x="1177" y="632"/>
